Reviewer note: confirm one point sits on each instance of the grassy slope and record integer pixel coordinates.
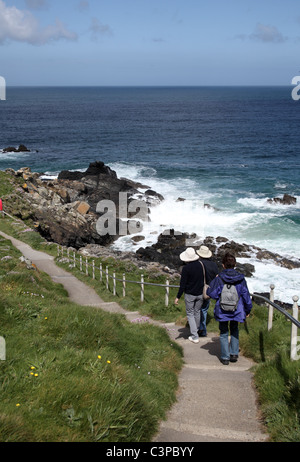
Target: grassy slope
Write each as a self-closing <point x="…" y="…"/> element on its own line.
<point x="77" y="396"/>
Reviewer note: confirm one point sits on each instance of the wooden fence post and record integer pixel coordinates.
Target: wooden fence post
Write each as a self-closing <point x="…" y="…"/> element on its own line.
<point x="294" y="331"/>
<point x="142" y="288"/>
<point x="101" y="272"/>
<point x="167" y="293"/>
<point x="74" y="260"/>
<point x="270" y="317"/>
<point x="106" y="278"/>
<point x="114" y="283"/>
<point x="86" y="267"/>
<point x="58" y="251"/>
<point x="81" y="263"/>
<point x="93" y="269"/>
<point x="124" y="285"/>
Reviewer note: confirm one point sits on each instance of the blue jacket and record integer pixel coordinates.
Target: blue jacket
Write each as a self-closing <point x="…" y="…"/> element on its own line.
<point x="231" y="276"/>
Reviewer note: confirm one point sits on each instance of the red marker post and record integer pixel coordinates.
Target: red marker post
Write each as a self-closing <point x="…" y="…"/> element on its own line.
<point x="1" y="208"/>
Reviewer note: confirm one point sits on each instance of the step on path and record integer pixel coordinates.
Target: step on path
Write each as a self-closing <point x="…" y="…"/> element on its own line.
<point x="215" y="403"/>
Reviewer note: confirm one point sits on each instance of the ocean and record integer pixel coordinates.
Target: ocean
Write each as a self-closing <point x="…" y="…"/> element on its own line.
<point x="230" y="147"/>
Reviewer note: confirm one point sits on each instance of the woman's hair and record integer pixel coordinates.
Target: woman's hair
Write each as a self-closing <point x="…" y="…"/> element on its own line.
<point x="229" y="261"/>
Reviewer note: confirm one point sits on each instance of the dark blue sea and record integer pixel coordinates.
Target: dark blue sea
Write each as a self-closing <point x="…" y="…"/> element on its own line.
<point x="230" y="147"/>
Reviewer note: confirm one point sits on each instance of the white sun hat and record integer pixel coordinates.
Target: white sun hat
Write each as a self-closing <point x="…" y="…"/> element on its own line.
<point x="189" y="255"/>
<point x="204" y="252"/>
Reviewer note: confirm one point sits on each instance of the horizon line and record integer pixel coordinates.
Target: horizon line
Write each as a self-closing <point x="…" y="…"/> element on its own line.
<point x="148" y="86"/>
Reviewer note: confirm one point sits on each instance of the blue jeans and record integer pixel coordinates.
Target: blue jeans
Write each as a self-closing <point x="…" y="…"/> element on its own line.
<point x="204" y="310"/>
<point x="193" y="305"/>
<point x="233" y="348"/>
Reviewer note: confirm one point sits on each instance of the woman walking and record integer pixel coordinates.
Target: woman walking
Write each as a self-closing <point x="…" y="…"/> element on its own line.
<point x="191" y="284"/>
<point x="233" y="305"/>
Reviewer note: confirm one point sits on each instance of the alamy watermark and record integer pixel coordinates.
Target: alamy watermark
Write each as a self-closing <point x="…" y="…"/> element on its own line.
<point x="296" y="81"/>
<point x="2" y="88"/>
<point x="130" y="217"/>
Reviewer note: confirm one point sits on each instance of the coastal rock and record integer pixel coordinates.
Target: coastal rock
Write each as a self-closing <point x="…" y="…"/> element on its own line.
<point x="167" y="249"/>
<point x="100" y="182"/>
<point x="286" y="200"/>
<point x="169" y="246"/>
<point x="21" y="148"/>
<point x="66" y="208"/>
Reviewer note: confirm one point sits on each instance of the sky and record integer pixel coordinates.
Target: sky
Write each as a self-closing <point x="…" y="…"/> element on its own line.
<point x="149" y="42"/>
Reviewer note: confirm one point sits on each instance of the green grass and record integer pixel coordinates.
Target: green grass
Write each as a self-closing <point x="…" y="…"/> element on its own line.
<point x="6" y="184"/>
<point x="76" y="395"/>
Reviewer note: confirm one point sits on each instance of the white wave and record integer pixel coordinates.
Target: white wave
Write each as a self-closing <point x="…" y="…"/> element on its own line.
<point x="262" y="203"/>
<point x="279" y="185"/>
<point x="12" y="155"/>
<point x="287" y="282"/>
<point x="49" y="176"/>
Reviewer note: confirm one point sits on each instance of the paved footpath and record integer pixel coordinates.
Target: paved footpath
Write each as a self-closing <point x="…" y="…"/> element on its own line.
<point x="215" y="403"/>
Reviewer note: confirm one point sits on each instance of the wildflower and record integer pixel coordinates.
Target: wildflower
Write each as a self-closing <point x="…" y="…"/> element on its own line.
<point x="108" y="362"/>
<point x="18" y="405"/>
<point x="99" y="357"/>
<point x="46" y="318"/>
<point x="36" y="375"/>
<point x="31" y="373"/>
<point x="32" y="368"/>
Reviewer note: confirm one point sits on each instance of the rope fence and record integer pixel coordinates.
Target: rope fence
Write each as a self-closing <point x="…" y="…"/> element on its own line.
<point x="104" y="276"/>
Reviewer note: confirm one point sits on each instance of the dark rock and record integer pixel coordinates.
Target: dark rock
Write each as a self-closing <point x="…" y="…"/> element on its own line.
<point x="286" y="200"/>
<point x="154" y="195"/>
<point x="67" y="209"/>
<point x="21" y="148"/>
<point x="167" y="249"/>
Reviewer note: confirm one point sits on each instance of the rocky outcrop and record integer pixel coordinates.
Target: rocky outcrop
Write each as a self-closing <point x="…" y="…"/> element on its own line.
<point x="286" y="200"/>
<point x="21" y="148"/>
<point x="65" y="210"/>
<point x="171" y="243"/>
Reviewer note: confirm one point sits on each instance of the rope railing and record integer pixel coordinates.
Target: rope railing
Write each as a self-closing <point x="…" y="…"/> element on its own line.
<point x="270" y="302"/>
<point x="142" y="282"/>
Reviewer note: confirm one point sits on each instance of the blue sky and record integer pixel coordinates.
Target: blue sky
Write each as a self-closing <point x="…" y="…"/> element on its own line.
<point x="149" y="42"/>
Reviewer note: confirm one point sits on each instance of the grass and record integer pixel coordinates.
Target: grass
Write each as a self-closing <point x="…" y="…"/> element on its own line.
<point x="75" y="373"/>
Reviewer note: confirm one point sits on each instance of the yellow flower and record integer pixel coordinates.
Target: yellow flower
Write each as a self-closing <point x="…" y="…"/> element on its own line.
<point x="18" y="405"/>
<point x="36" y="375"/>
<point x="31" y="373"/>
<point x="46" y="318"/>
<point x="32" y="368"/>
<point x="108" y="362"/>
<point x="99" y="357"/>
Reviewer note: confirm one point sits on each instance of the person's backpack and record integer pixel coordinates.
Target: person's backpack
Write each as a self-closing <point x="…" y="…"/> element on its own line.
<point x="229" y="297"/>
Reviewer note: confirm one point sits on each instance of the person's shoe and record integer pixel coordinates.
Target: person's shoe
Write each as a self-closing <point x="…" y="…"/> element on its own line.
<point x="233" y="358"/>
<point x="201" y="333"/>
<point x="224" y="361"/>
<point x="194" y="340"/>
